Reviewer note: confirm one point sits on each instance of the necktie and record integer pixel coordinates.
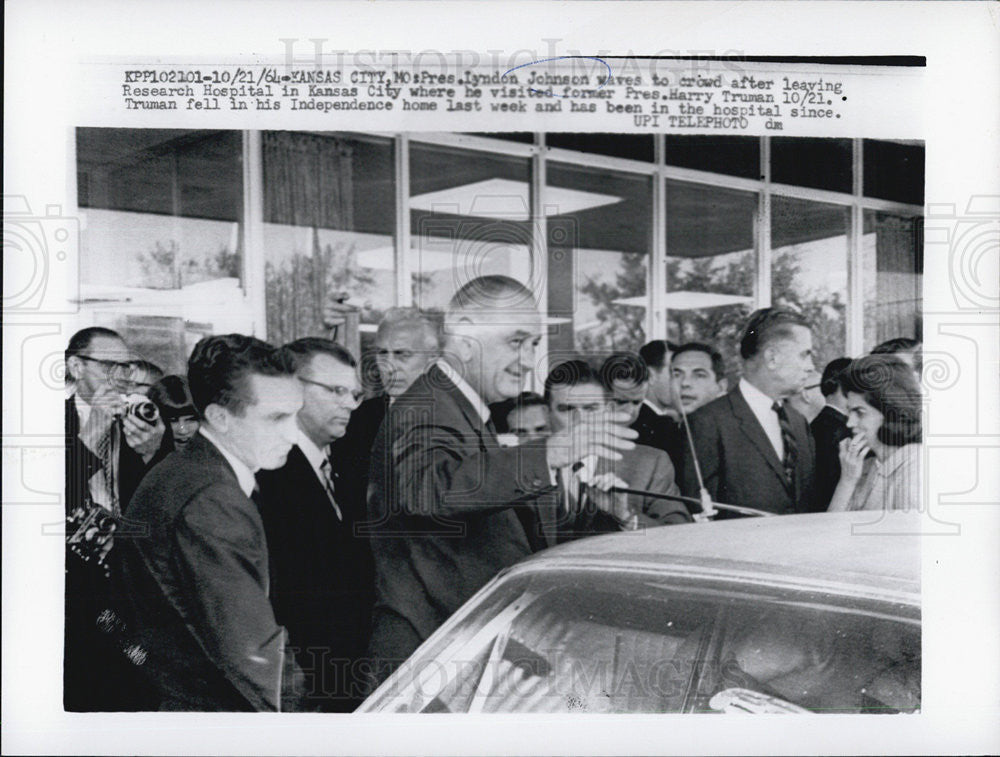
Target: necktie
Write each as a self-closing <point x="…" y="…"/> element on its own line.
<point x="326" y="468"/>
<point x="788" y="440"/>
<point x="104" y="484"/>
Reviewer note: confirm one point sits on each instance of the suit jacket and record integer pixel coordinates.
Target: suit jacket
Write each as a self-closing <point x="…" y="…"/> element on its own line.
<point x="323" y="583"/>
<point x="96" y="675"/>
<point x="197" y="587"/>
<point x="352" y="453"/>
<point x="661" y="432"/>
<point x="738" y="462"/>
<point x="649" y="469"/>
<point x="828" y="429"/>
<point x="449" y="508"/>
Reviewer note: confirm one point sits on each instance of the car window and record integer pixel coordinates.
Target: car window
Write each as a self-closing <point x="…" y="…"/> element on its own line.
<point x="581" y="641"/>
<point x="820" y="658"/>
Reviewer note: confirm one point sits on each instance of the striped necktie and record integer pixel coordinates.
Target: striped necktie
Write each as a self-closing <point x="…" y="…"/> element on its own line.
<point x="326" y="468"/>
<point x="791" y="455"/>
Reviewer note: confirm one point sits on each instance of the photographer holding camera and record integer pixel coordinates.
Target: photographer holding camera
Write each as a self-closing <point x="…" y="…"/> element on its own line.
<point x="112" y="439"/>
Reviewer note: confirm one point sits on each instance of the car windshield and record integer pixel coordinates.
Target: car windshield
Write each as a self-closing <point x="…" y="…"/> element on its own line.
<point x="616" y="642"/>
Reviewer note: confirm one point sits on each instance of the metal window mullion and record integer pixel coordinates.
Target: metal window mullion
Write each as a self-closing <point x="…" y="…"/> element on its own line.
<point x="401" y="175"/>
<point x="855" y="336"/>
<point x="656" y="317"/>
<point x="473" y="142"/>
<point x="540" y="254"/>
<point x="596" y="160"/>
<point x="254" y="261"/>
<point x="762" y="290"/>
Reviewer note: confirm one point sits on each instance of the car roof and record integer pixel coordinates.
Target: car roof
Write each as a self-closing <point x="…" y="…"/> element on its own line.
<point x="874" y="553"/>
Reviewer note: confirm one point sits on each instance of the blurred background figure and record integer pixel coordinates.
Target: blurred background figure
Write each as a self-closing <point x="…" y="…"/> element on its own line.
<point x="699" y="375"/>
<point x="173" y="398"/>
<point x="910" y="351"/>
<point x="809" y="400"/>
<point x="657" y="422"/>
<point x="828" y="428"/>
<point x="528" y="418"/>
<point x="883" y="415"/>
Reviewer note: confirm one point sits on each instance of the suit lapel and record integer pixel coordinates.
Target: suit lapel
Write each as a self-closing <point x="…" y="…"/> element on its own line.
<point x="750" y="427"/>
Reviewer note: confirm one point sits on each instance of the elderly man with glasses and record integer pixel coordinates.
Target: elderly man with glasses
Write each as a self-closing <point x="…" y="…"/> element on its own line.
<point x="108" y="451"/>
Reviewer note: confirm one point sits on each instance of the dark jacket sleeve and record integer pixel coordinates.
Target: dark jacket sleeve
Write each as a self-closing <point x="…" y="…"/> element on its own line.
<point x="218" y="552"/>
<point x="441" y="469"/>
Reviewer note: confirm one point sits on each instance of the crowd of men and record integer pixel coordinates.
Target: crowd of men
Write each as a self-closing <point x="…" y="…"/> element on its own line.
<point x="273" y="542"/>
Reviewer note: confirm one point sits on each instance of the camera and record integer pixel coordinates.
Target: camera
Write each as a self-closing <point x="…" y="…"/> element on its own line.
<point x="89" y="529"/>
<point x="138" y="406"/>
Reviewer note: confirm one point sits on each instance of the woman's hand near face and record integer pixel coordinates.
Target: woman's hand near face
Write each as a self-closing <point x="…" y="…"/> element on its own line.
<point x="853" y="451"/>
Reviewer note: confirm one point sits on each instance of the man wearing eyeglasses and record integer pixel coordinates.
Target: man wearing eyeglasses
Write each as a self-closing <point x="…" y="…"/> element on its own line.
<point x="323" y="573"/>
<point x="107" y="454"/>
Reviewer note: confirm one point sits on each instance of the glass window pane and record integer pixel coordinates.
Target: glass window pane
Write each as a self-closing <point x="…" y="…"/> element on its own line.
<point x="469" y="216"/>
<point x="711" y="265"/>
<point x="894" y="171"/>
<point x="329" y="218"/>
<point x="161" y="236"/>
<point x="734" y="156"/>
<point x="600" y="235"/>
<point x="817" y="163"/>
<point x="892" y="266"/>
<point x="163" y="208"/>
<point x="809" y="269"/>
<point x="633" y="146"/>
<point x="525" y="137"/>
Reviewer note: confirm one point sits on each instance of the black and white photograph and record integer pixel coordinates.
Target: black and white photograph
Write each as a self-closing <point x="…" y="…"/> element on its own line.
<point x="526" y="392"/>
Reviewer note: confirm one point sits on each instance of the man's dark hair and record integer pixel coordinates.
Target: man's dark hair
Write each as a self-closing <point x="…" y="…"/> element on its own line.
<point x="829" y="382"/>
<point x="655" y="353"/>
<point x="889" y="386"/>
<point x="81" y="340"/>
<point x="570" y="373"/>
<point x="625" y="368"/>
<point x="301" y="351"/>
<point x="718" y="364"/>
<point x="220" y="365"/>
<point x="172" y="396"/>
<point x="902" y="344"/>
<point x="767" y="325"/>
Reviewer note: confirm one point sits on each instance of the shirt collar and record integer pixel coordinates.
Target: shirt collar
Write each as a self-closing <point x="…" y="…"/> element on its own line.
<point x="467" y="391"/>
<point x="755" y="398"/>
<point x="654" y="408"/>
<point x="83" y="408"/>
<point x="837" y="410"/>
<point x="243" y="473"/>
<point x="313" y="454"/>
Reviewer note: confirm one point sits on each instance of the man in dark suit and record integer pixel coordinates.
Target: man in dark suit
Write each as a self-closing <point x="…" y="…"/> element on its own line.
<point x="323" y="575"/>
<point x="407" y="341"/>
<point x="107" y="452"/>
<point x="449" y="507"/>
<point x="828" y="429"/>
<point x="657" y="421"/>
<point x="197" y="579"/>
<point x="753" y="450"/>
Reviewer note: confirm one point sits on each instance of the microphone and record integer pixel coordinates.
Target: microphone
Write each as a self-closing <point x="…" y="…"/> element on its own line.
<point x="751" y="511"/>
<point x="708" y="509"/>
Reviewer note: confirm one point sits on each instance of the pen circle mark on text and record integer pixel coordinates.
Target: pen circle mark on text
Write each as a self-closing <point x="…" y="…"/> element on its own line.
<point x="549" y="92"/>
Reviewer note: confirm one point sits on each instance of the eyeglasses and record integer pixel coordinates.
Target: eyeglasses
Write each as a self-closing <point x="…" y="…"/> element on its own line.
<point x="341" y="392"/>
<point x="108" y="365"/>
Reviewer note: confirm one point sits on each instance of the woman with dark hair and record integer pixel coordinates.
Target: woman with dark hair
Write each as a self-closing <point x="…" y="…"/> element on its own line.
<point x="880" y="462"/>
<point x="173" y="398"/>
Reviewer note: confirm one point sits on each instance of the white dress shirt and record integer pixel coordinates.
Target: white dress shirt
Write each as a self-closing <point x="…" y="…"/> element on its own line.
<point x="243" y="473"/>
<point x="760" y="405"/>
<point x="316" y="456"/>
